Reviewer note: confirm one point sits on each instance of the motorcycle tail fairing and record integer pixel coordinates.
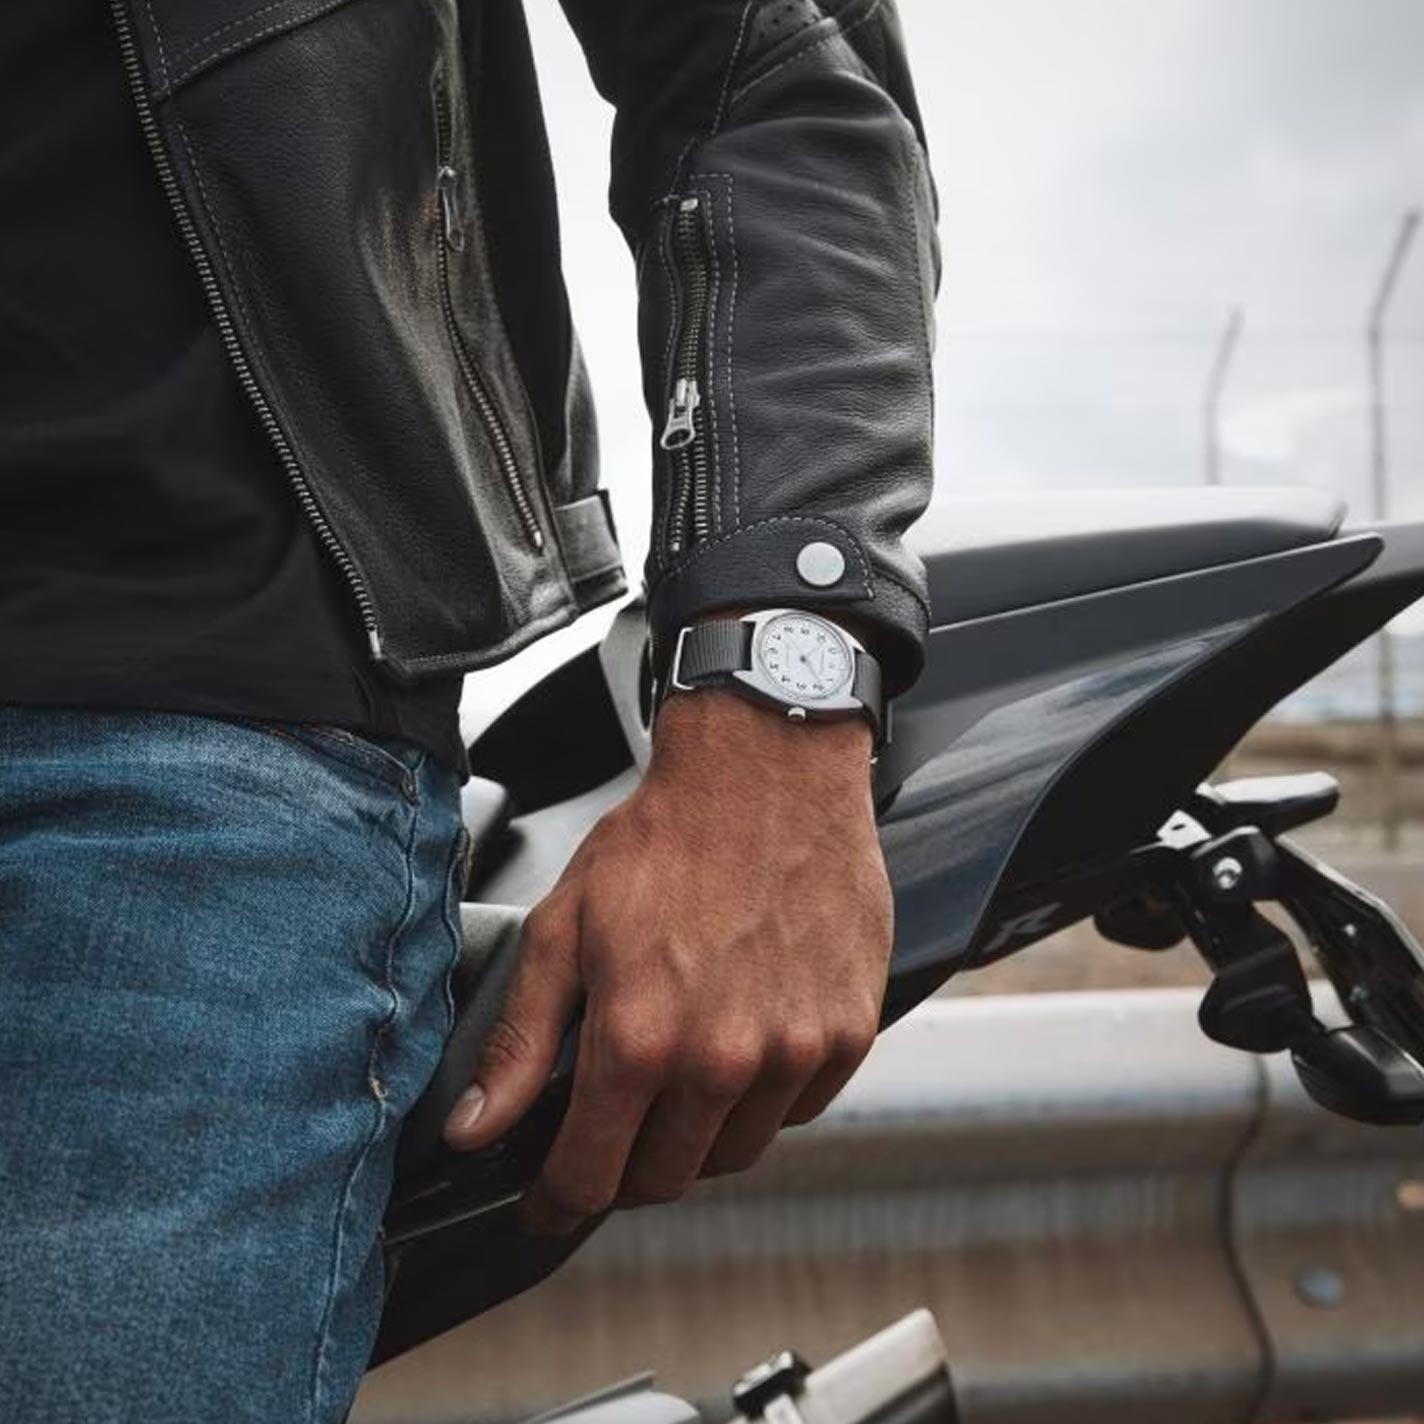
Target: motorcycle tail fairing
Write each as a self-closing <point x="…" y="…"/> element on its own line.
<point x="1091" y="661"/>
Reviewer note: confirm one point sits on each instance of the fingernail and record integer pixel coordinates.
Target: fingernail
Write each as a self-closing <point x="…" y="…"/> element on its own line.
<point x="467" y="1110"/>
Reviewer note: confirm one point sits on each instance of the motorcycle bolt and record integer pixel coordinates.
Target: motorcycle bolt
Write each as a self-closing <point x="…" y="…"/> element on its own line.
<point x="1227" y="874"/>
<point x="1320" y="1288"/>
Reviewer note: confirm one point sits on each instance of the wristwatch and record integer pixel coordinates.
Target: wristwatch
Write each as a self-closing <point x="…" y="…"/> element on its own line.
<point x="786" y="658"/>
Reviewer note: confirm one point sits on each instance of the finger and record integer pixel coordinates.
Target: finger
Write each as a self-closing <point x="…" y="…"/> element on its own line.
<point x="618" y="1075"/>
<point x="524" y="1042"/>
<point x="847" y="1054"/>
<point x="676" y="1137"/>
<point x="754" y="1122"/>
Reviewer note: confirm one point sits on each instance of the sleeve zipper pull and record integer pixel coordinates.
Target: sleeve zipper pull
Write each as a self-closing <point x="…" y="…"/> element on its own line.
<point x="681" y="428"/>
<point x="449" y="208"/>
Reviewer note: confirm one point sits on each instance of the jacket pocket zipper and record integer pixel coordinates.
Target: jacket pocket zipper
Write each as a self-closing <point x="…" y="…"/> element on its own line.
<point x="452" y="239"/>
<point x="683" y="436"/>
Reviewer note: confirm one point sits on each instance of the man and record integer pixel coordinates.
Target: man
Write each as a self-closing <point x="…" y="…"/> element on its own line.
<point x="293" y="432"/>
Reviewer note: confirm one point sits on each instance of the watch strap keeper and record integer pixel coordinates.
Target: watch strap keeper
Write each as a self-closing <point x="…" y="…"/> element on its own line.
<point x="708" y="653"/>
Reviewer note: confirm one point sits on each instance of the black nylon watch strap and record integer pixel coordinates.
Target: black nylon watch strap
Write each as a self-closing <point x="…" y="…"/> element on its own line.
<point x="712" y="651"/>
<point x="867" y="686"/>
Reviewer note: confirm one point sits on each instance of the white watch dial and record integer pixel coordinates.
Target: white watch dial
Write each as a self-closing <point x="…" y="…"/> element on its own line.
<point x="807" y="658"/>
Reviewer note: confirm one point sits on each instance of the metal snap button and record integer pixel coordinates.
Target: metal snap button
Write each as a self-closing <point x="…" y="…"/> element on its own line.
<point x="820" y="565"/>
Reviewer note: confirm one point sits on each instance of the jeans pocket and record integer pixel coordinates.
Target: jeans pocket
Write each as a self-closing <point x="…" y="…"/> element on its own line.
<point x="361" y="753"/>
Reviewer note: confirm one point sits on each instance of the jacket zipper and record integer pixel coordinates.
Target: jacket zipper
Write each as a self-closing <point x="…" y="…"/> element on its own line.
<point x="683" y="436"/>
<point x="453" y="240"/>
<point x="227" y="332"/>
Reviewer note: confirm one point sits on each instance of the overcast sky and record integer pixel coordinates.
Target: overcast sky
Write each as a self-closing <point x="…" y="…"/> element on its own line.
<point x="1115" y="176"/>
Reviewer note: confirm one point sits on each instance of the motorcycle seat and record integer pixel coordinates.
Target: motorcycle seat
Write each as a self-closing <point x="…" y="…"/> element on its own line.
<point x="993" y="555"/>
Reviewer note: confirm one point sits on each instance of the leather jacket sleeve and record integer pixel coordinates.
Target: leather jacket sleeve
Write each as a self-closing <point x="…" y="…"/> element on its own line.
<point x="770" y="175"/>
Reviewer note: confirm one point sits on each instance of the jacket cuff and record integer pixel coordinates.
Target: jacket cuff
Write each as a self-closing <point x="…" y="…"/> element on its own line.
<point x="765" y="565"/>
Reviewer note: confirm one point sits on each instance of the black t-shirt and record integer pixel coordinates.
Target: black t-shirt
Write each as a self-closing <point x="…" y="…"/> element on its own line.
<point x="152" y="552"/>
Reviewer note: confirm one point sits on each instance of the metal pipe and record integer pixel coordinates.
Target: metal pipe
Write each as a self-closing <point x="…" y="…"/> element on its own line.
<point x="1215" y="387"/>
<point x="1388" y="743"/>
<point x="1111" y="1219"/>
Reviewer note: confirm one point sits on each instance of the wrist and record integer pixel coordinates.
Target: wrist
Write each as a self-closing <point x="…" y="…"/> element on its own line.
<point x="718" y="732"/>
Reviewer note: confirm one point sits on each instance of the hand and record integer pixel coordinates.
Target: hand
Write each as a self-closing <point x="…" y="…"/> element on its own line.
<point x="727" y="928"/>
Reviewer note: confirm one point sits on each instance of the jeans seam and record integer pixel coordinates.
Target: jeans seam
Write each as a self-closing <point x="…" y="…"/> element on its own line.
<point x="378" y="1094"/>
<point x="374" y="757"/>
<point x="357" y="753"/>
<point x="459" y="865"/>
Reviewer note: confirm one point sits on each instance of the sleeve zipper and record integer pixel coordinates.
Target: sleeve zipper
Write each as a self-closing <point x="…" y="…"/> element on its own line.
<point x="683" y="436"/>
<point x="452" y="239"/>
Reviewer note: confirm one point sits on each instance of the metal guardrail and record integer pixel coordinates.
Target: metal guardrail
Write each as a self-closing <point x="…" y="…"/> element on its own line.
<point x="1112" y="1219"/>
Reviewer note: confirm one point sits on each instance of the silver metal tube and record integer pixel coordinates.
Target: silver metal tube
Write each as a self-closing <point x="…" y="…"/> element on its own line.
<point x="1215" y="388"/>
<point x="1388" y="734"/>
<point x="1110" y="1217"/>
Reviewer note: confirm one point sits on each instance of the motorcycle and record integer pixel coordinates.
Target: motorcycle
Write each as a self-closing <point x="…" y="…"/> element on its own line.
<point x="1093" y="659"/>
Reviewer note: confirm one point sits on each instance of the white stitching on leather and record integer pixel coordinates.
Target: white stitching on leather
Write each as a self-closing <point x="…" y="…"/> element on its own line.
<point x="736" y="54"/>
<point x="731" y="335"/>
<point x="230" y="25"/>
<point x="213" y="218"/>
<point x="709" y="224"/>
<point x="704" y="548"/>
<point x="900" y="583"/>
<point x="865" y="571"/>
<point x="721" y="113"/>
<point x="840" y="32"/>
<point x="564" y="613"/>
<point x="672" y="293"/>
<point x="158" y="40"/>
<point x="286" y="23"/>
<point x="677" y="169"/>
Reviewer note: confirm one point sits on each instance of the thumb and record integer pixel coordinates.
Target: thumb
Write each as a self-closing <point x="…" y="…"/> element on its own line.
<point x="524" y="1042"/>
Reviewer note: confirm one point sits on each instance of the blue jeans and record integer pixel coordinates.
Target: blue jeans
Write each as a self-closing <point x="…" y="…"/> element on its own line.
<point x="225" y="952"/>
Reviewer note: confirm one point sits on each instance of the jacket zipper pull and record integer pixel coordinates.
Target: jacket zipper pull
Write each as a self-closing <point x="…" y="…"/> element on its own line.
<point x="681" y="428"/>
<point x="449" y="208"/>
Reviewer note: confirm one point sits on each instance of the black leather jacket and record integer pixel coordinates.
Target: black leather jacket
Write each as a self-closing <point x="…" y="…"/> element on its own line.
<point x="365" y="188"/>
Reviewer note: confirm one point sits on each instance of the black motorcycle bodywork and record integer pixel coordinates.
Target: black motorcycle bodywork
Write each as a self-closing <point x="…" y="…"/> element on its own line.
<point x="1092" y="661"/>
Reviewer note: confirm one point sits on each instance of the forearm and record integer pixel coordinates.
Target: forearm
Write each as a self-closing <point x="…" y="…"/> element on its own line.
<point x="774" y="187"/>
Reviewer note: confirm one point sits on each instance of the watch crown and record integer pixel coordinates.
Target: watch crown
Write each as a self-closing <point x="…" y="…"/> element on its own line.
<point x="796" y="714"/>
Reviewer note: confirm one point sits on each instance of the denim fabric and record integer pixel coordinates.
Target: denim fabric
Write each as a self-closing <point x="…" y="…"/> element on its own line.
<point x="224" y="979"/>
